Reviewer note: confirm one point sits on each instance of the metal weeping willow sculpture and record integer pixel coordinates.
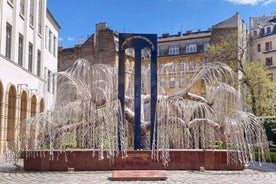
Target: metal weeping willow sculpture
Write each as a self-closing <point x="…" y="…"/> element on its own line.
<point x="89" y="115"/>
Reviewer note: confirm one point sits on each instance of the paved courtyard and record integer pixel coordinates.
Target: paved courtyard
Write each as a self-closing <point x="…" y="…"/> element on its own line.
<point x="13" y="173"/>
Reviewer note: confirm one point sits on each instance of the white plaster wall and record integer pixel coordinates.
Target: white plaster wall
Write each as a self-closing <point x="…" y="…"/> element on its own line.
<point x="13" y="74"/>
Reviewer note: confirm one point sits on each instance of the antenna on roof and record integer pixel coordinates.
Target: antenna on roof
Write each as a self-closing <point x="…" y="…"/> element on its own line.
<point x="80" y="40"/>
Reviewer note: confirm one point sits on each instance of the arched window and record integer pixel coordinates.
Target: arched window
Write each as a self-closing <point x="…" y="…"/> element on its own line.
<point x="23" y="113"/>
<point x="33" y="106"/>
<point x="33" y="113"/>
<point x="42" y="106"/>
<point x="1" y="106"/>
<point x="11" y="117"/>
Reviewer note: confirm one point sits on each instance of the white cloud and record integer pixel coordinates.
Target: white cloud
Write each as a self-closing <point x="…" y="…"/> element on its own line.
<point x="60" y="39"/>
<point x="252" y="2"/>
<point x="69" y="38"/>
<point x="268" y="2"/>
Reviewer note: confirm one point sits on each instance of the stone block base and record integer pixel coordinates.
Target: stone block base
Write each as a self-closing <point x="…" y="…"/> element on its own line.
<point x="87" y="160"/>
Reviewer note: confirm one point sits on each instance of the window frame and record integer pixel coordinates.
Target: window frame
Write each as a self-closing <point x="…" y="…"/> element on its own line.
<point x="174" y="50"/>
<point x="8" y="49"/>
<point x="206" y="46"/>
<point x="268" y="46"/>
<point x="192" y="64"/>
<point x="30" y="57"/>
<point x="191" y="48"/>
<point x="22" y="8"/>
<point x="39" y="17"/>
<point x="20" y="50"/>
<point x="268" y="61"/>
<point x="31" y="13"/>
<point x="172" y="82"/>
<point x="259" y="47"/>
<point x="182" y="66"/>
<point x="38" y="66"/>
<point x="268" y="29"/>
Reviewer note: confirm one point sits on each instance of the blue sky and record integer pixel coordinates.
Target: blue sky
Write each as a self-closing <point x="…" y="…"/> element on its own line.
<point x="77" y="18"/>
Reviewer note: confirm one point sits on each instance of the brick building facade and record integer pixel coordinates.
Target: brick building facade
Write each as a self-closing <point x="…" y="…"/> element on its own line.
<point x="98" y="48"/>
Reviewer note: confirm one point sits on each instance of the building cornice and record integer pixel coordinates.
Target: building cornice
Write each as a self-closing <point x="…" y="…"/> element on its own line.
<point x="52" y="19"/>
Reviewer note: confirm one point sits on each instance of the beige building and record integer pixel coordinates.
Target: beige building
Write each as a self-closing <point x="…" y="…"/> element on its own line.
<point x="263" y="34"/>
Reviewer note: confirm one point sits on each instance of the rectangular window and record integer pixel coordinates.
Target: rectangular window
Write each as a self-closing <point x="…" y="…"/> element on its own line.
<point x="53" y="83"/>
<point x="172" y="67"/>
<point x="20" y="50"/>
<point x="162" y="64"/>
<point x="259" y="48"/>
<point x="46" y="37"/>
<point x="22" y="8"/>
<point x="255" y="33"/>
<point x="162" y="83"/>
<point x="205" y="46"/>
<point x="32" y="12"/>
<point x="268" y="46"/>
<point x="191" y="48"/>
<point x="182" y="66"/>
<point x="30" y="58"/>
<point x="192" y="65"/>
<point x="54" y="47"/>
<point x="49" y="80"/>
<point x="268" y="61"/>
<point x="8" y="40"/>
<point x="268" y="29"/>
<point x="172" y="82"/>
<point x="40" y="17"/>
<point x="50" y="41"/>
<point x="182" y="82"/>
<point x="38" y="63"/>
<point x="174" y="50"/>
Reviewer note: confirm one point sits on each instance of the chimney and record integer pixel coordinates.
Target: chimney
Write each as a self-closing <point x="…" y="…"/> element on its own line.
<point x="101" y="26"/>
<point x="188" y="32"/>
<point x="165" y="35"/>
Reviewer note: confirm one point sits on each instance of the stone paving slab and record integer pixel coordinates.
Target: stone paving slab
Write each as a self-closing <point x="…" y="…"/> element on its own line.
<point x="13" y="174"/>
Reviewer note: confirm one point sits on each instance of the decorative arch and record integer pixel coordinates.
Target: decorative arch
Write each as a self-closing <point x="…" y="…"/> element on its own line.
<point x="11" y="116"/>
<point x="42" y="105"/>
<point x="138" y="42"/>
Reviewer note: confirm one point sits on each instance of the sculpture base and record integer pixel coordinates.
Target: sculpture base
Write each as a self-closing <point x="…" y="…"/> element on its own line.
<point x="83" y="160"/>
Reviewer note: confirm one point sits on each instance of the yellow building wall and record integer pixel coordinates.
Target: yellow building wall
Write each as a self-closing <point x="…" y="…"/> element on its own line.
<point x="182" y="76"/>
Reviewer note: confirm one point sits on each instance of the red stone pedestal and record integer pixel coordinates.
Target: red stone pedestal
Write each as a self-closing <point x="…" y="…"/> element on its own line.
<point x="83" y="160"/>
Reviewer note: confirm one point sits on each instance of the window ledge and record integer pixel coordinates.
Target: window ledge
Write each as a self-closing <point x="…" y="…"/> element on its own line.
<point x="11" y="4"/>
<point x="22" y="16"/>
<point x="31" y="26"/>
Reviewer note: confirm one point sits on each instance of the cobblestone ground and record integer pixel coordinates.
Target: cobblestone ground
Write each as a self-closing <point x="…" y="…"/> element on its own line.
<point x="13" y="173"/>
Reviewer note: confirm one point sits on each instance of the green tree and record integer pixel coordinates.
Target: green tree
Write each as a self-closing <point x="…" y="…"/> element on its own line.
<point x="260" y="87"/>
<point x="257" y="88"/>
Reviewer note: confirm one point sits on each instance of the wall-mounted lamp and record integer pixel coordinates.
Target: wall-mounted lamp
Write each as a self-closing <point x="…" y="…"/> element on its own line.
<point x="21" y="86"/>
<point x="35" y="91"/>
